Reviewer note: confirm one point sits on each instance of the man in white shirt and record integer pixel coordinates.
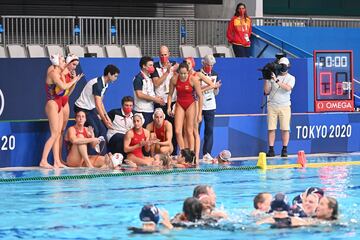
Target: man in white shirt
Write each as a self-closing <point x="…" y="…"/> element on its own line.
<point x="209" y="103"/>
<point x="278" y="89"/>
<point x="144" y="94"/>
<point x="122" y="121"/>
<point x="164" y="71"/>
<point x="91" y="101"/>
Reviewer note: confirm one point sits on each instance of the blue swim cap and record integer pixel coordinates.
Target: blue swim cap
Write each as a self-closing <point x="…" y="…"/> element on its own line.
<point x="314" y="190"/>
<point x="279" y="203"/>
<point x="149" y="213"/>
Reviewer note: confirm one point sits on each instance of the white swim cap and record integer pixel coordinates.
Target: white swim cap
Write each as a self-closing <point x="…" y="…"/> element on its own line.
<point x="71" y="57"/>
<point x="225" y="155"/>
<point x="55" y="59"/>
<point x="117" y="159"/>
<point x="158" y="110"/>
<point x="141" y="117"/>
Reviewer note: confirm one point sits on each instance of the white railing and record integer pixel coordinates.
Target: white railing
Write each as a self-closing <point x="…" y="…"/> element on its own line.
<point x="148" y="33"/>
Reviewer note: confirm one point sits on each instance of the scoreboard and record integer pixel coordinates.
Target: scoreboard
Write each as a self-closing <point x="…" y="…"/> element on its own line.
<point x="333" y="81"/>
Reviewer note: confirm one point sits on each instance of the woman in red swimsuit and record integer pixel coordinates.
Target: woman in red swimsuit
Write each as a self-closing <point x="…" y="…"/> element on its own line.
<point x="186" y="85"/>
<point x="134" y="141"/>
<point x="72" y="61"/>
<point x="78" y="137"/>
<point x="54" y="107"/>
<point x="201" y="77"/>
<point x="160" y="129"/>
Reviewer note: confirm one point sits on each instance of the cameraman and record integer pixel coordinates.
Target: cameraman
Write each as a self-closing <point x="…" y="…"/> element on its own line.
<point x="278" y="89"/>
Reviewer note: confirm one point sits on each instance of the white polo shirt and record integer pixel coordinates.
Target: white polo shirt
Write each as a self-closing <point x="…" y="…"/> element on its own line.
<point x="145" y="84"/>
<point x="94" y="87"/>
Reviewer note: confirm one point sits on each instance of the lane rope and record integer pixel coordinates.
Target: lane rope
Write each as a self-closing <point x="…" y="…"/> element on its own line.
<point x="124" y="174"/>
<point x="7" y="179"/>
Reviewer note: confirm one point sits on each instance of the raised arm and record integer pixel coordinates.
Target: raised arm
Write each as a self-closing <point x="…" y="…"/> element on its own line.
<point x="56" y="78"/>
<point x="157" y="81"/>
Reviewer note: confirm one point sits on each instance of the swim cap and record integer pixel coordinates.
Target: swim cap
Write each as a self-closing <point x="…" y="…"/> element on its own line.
<point x="279" y="203"/>
<point x="117" y="159"/>
<point x="314" y="190"/>
<point x="149" y="213"/>
<point x="55" y="59"/>
<point x="141" y="117"/>
<point x="225" y="155"/>
<point x="158" y="110"/>
<point x="71" y="57"/>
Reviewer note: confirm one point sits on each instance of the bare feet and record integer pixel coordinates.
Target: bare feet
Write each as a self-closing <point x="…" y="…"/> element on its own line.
<point x="45" y="165"/>
<point x="59" y="165"/>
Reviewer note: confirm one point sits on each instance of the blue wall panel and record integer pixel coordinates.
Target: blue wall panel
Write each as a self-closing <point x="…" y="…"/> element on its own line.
<point x="21" y="143"/>
<point x="23" y="85"/>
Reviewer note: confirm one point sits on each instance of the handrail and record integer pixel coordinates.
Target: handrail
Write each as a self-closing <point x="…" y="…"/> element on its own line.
<point x="274" y="45"/>
<point x="356" y="82"/>
<point x="284" y="45"/>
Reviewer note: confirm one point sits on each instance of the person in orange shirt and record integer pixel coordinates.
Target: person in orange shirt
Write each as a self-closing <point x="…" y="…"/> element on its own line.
<point x="239" y="31"/>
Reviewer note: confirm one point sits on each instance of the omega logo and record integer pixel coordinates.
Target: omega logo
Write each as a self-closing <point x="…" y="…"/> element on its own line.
<point x="2" y="102"/>
<point x="320" y="105"/>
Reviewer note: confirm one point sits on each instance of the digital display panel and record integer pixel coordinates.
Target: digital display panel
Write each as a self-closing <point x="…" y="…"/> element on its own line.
<point x="333" y="80"/>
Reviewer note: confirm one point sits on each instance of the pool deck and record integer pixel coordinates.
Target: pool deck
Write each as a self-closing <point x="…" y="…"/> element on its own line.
<point x="254" y="158"/>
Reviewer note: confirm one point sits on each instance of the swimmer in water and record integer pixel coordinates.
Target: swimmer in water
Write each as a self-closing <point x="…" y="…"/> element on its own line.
<point x="150" y="216"/>
<point x="262" y="202"/>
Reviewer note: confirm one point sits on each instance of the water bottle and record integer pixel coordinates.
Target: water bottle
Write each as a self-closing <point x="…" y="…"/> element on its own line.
<point x="1" y="33"/>
<point x="183" y="34"/>
<point x="113" y="34"/>
<point x="77" y="34"/>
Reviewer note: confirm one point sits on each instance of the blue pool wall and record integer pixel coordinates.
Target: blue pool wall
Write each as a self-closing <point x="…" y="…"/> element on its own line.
<point x="22" y="142"/>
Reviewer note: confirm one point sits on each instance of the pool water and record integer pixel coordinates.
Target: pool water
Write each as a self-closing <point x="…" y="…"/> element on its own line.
<point x="103" y="208"/>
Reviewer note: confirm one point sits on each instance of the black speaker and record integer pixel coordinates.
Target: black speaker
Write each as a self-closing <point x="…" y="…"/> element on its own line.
<point x="219" y="55"/>
<point x="93" y="55"/>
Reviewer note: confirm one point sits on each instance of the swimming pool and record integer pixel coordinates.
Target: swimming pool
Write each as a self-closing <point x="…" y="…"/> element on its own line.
<point x="103" y="208"/>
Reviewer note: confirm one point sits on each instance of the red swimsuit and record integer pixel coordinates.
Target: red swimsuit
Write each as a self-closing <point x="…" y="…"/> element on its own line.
<point x="160" y="132"/>
<point x="51" y="94"/>
<point x="77" y="133"/>
<point x="136" y="139"/>
<point x="184" y="92"/>
<point x="84" y="132"/>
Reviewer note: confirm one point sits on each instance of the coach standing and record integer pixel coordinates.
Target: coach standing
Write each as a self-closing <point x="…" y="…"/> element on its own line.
<point x="91" y="101"/>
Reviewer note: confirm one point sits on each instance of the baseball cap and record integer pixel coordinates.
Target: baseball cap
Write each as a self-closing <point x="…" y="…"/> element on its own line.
<point x="284" y="61"/>
<point x="150" y="213"/>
